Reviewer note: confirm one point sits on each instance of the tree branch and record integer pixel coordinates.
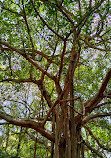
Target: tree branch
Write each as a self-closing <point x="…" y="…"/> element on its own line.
<point x="67" y="11"/>
<point x="88" y="118"/>
<point x="44" y="22"/>
<point x="27" y="25"/>
<point x="91" y="103"/>
<point x="61" y="10"/>
<point x="99" y="105"/>
<point x="71" y="99"/>
<point x="92" y="135"/>
<point x="107" y="94"/>
<point x="97" y="98"/>
<point x="40" y="84"/>
<point x="105" y="82"/>
<point x="61" y="65"/>
<point x="10" y="10"/>
<point x="29" y="59"/>
<point x="85" y="17"/>
<point x="94" y="47"/>
<point x="28" y="123"/>
<point x="17" y="80"/>
<point x="45" y="93"/>
<point x="35" y="51"/>
<point x="42" y="54"/>
<point x="93" y="150"/>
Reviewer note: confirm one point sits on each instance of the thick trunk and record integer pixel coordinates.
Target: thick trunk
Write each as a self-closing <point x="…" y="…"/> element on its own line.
<point x="67" y="139"/>
<point x="67" y="135"/>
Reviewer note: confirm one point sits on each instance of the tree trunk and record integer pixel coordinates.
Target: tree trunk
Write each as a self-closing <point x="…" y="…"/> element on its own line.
<point x="68" y="133"/>
<point x="67" y="142"/>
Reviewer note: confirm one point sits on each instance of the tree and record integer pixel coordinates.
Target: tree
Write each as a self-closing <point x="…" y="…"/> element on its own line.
<point x="55" y="73"/>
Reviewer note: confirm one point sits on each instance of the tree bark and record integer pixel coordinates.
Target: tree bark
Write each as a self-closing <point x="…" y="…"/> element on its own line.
<point x="68" y="139"/>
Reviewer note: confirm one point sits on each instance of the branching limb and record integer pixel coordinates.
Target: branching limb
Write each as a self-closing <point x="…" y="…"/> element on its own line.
<point x="27" y="25"/>
<point x="93" y="150"/>
<point x="30" y="37"/>
<point x="63" y="10"/>
<point x="45" y="93"/>
<point x="108" y="94"/>
<point x="44" y="22"/>
<point x="17" y="80"/>
<point x="29" y="59"/>
<point x="104" y="83"/>
<point x="40" y="53"/>
<point x="28" y="123"/>
<point x="84" y="18"/>
<point x="72" y="66"/>
<point x="35" y="51"/>
<point x="64" y="13"/>
<point x="62" y="57"/>
<point x="40" y="84"/>
<point x="74" y="110"/>
<point x="90" y="4"/>
<point x="92" y="102"/>
<point x="92" y="135"/>
<point x="88" y="118"/>
<point x="24" y="103"/>
<point x="67" y="11"/>
<point x="71" y="99"/>
<point x="102" y="104"/>
<point x="10" y="10"/>
<point x="10" y="65"/>
<point x="94" y="47"/>
<point x="79" y="4"/>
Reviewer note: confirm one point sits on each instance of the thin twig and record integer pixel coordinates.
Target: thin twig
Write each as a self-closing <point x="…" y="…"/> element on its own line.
<point x="45" y="22"/>
<point x="62" y="57"/>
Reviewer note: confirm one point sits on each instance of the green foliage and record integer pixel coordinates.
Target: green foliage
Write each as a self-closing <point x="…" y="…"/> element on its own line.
<point x="44" y="28"/>
<point x="2" y="153"/>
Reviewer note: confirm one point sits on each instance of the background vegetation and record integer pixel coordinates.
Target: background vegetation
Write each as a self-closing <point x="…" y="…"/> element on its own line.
<point x="37" y="40"/>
